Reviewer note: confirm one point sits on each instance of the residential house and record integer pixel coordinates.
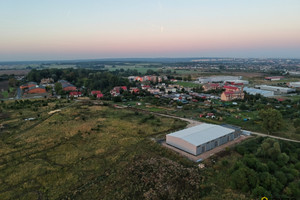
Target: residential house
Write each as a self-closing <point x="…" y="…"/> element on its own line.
<point x="66" y="86"/>
<point x="46" y="81"/>
<point x="97" y="93"/>
<point x="116" y="91"/>
<point x="211" y="86"/>
<point x="134" y="90"/>
<point x="75" y="94"/>
<point x="232" y="93"/>
<point x="28" y="85"/>
<point x="36" y="90"/>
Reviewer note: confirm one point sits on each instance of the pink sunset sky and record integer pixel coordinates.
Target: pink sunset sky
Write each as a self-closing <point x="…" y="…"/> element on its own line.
<point x="52" y="30"/>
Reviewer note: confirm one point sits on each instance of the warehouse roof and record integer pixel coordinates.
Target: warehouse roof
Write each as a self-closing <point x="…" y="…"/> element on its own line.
<point x="257" y="91"/>
<point x="202" y="133"/>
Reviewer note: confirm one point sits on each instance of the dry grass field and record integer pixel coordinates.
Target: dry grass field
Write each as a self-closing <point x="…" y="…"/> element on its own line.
<point x="76" y="153"/>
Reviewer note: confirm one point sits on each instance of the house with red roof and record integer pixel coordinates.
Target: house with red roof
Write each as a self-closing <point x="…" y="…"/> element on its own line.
<point x="97" y="93"/>
<point x="28" y="85"/>
<point x="145" y="87"/>
<point x="134" y="90"/>
<point x="232" y="93"/>
<point x="211" y="86"/>
<point x="66" y="86"/>
<point x="36" y="90"/>
<point x="116" y="91"/>
<point x="274" y="78"/>
<point x="75" y="94"/>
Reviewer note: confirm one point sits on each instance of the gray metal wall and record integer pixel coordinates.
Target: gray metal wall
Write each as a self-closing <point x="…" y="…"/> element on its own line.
<point x="222" y="140"/>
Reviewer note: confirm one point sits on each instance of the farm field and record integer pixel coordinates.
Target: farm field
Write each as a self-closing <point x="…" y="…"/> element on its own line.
<point x="139" y="68"/>
<point x="14" y="71"/>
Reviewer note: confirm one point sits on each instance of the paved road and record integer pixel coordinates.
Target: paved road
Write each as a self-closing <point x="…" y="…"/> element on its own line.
<point x="194" y="123"/>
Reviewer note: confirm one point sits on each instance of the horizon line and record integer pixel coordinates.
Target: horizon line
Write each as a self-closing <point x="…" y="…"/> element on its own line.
<point x="111" y="59"/>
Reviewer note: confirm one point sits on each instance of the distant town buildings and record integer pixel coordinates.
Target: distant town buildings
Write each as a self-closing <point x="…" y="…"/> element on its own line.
<point x="150" y="78"/>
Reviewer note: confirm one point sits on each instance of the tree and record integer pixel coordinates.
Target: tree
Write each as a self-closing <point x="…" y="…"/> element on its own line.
<point x="271" y="120"/>
<point x="297" y="123"/>
<point x="58" y="88"/>
<point x="12" y="82"/>
<point x="260" y="192"/>
<point x="243" y="107"/>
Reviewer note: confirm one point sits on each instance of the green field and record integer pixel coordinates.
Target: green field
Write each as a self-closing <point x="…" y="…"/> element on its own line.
<point x="188" y="84"/>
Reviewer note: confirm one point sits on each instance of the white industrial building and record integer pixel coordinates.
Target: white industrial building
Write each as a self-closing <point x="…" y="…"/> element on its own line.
<point x="275" y="89"/>
<point x="244" y="82"/>
<point x="217" y="79"/>
<point x="294" y="84"/>
<point x="201" y="138"/>
<point x="254" y="91"/>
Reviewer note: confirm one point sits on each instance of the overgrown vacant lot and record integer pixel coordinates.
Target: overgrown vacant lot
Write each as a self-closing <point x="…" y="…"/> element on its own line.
<point x="90" y="152"/>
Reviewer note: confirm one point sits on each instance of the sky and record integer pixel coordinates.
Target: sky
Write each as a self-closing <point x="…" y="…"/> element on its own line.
<point x="94" y="29"/>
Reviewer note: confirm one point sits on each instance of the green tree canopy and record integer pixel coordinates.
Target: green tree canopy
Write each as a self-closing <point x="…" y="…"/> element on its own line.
<point x="271" y="120"/>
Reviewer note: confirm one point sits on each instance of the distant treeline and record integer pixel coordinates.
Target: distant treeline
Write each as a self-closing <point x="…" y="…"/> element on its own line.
<point x="91" y="79"/>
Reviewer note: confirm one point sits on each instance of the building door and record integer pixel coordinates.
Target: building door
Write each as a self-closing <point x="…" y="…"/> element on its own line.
<point x="228" y="138"/>
<point x="203" y="149"/>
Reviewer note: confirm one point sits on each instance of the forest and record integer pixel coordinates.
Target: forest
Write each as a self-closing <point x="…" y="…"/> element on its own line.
<point x="268" y="168"/>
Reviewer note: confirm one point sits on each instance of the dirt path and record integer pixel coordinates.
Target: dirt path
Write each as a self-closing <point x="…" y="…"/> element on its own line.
<point x="190" y="121"/>
<point x="272" y="136"/>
